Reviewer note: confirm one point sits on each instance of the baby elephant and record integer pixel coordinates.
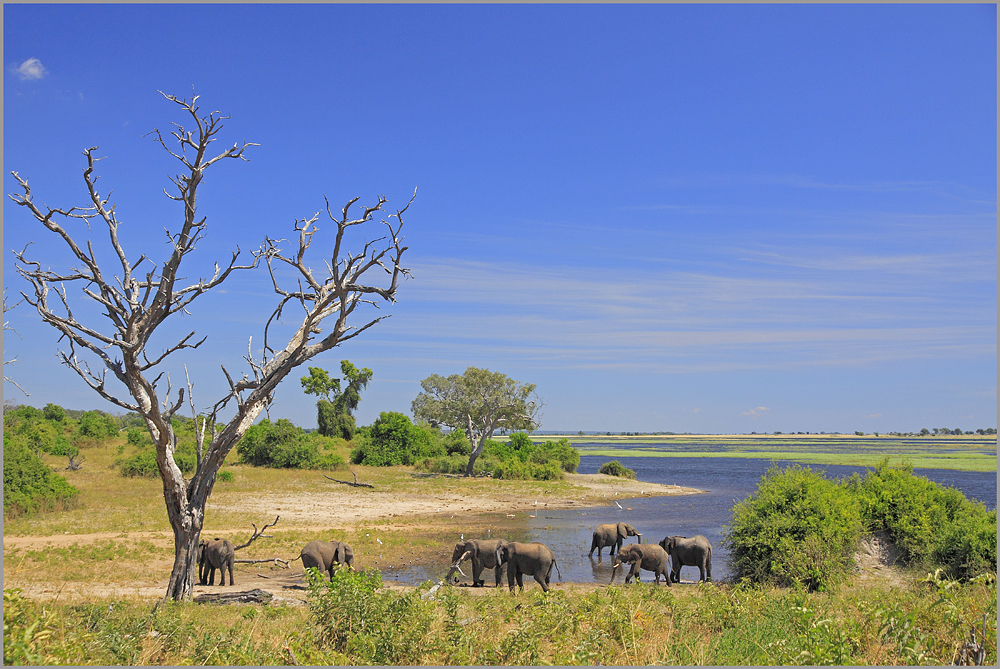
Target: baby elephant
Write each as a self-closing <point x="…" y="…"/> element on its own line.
<point x="324" y="555"/>
<point x="694" y="551"/>
<point x="611" y="535"/>
<point x="212" y="555"/>
<point x="650" y="557"/>
<point x="534" y="559"/>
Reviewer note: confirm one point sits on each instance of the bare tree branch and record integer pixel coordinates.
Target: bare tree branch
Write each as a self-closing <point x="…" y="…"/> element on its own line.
<point x="257" y="534"/>
<point x="134" y="303"/>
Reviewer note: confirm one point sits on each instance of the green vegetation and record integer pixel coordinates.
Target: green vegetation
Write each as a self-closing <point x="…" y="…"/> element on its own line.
<point x="970" y="452"/>
<point x="394" y="440"/>
<point x="29" y="485"/>
<point x="615" y="468"/>
<point x="284" y="445"/>
<point x="352" y="621"/>
<point x="517" y="459"/>
<point x="801" y="528"/>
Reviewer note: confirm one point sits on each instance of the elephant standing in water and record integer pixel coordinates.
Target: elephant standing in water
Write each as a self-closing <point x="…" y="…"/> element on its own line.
<point x="212" y="555"/>
<point x="483" y="553"/>
<point x="695" y="551"/>
<point x="650" y="557"/>
<point x="534" y="559"/>
<point x="324" y="555"/>
<point x="611" y="535"/>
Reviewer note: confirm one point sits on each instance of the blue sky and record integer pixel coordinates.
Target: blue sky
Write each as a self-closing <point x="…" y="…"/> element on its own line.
<point x="689" y="218"/>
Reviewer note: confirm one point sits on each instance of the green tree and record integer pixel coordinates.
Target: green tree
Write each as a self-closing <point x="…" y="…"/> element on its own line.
<point x="394" y="440"/>
<point x="480" y="402"/>
<point x="335" y="408"/>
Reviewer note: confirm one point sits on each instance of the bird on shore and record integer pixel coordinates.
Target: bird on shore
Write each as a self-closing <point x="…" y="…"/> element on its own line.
<point x="617" y="504"/>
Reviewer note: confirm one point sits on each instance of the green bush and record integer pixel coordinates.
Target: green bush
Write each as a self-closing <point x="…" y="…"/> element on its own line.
<point x="138" y="436"/>
<point x="224" y="476"/>
<point x="334" y="423"/>
<point x="797" y="527"/>
<point x="394" y="440"/>
<point x="931" y="524"/>
<point x="561" y="451"/>
<point x="143" y="463"/>
<point x="615" y="468"/>
<point x="455" y="442"/>
<point x="354" y="615"/>
<point x="98" y="425"/>
<point x="28" y="483"/>
<point x="54" y="412"/>
<point x="528" y="471"/>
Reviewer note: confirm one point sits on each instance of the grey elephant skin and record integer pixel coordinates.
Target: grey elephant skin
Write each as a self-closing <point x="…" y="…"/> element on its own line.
<point x="325" y="555"/>
<point x="651" y="557"/>
<point x="534" y="559"/>
<point x="611" y="535"/>
<point x="694" y="551"/>
<point x="215" y="554"/>
<point x="483" y="553"/>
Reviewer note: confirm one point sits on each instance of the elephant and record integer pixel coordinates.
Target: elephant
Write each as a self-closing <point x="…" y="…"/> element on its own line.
<point x="212" y="555"/>
<point x="534" y="559"/>
<point x="695" y="551"/>
<point x="650" y="557"/>
<point x="611" y="535"/>
<point x="483" y="555"/>
<point x="325" y="554"/>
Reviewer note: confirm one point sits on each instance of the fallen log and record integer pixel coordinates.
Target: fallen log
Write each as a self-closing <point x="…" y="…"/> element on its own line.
<point x="276" y="561"/>
<point x="255" y="596"/>
<point x="355" y="484"/>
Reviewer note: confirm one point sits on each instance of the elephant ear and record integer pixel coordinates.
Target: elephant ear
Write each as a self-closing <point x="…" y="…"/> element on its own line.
<point x="338" y="554"/>
<point x="622" y="531"/>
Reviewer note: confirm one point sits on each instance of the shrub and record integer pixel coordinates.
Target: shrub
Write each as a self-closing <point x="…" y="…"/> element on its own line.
<point x="278" y="444"/>
<point x="561" y="451"/>
<point x="28" y="483"/>
<point x="930" y="523"/>
<point x="143" y="463"/>
<point x="394" y="440"/>
<point x="98" y="425"/>
<point x="513" y="468"/>
<point x="354" y="615"/>
<point x="797" y="527"/>
<point x="334" y="423"/>
<point x="615" y="468"/>
<point x="224" y="476"/>
<point x="54" y="412"/>
<point x="138" y="437"/>
<point x="456" y="443"/>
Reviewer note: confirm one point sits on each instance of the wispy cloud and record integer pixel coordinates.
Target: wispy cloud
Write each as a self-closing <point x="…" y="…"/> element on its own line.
<point x="31" y="69"/>
<point x="754" y="413"/>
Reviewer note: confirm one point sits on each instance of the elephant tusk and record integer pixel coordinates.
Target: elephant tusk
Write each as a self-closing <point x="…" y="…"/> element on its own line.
<point x="457" y="567"/>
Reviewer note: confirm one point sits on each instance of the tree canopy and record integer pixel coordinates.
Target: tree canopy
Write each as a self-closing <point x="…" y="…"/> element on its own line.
<point x="335" y="409"/>
<point x="480" y="402"/>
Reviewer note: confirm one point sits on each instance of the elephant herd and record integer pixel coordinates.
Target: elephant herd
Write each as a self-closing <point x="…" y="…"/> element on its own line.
<point x="534" y="559"/>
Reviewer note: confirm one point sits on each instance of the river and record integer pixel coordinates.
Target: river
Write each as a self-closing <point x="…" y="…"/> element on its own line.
<point x="725" y="481"/>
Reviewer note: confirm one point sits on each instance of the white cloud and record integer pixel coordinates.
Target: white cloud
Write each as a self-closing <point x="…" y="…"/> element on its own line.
<point x="31" y="69"/>
<point x="753" y="413"/>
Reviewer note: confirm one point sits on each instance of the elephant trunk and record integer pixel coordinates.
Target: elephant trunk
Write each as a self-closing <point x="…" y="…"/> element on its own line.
<point x="640" y="537"/>
<point x="614" y="570"/>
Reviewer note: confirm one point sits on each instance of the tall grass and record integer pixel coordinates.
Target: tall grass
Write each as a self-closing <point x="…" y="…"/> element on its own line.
<point x="356" y="621"/>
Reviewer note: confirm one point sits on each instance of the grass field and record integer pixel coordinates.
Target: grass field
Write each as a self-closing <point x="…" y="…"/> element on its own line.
<point x="968" y="453"/>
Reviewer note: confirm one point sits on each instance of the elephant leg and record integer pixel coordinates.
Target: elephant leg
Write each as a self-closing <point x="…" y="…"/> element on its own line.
<point x="511" y="575"/>
<point x="520" y="582"/>
<point x="477" y="573"/>
<point x="497" y="575"/>
<point x="542" y="582"/>
<point x="231" y="581"/>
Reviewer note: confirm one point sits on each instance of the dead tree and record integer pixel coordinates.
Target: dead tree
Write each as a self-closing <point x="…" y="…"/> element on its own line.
<point x="137" y="295"/>
<point x="7" y="328"/>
